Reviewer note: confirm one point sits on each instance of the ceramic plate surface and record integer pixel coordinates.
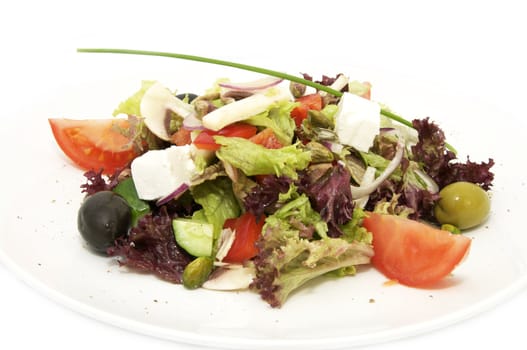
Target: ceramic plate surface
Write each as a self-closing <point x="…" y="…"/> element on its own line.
<point x="40" y="241"/>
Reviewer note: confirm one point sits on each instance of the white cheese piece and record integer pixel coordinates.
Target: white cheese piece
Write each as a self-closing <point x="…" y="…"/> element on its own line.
<point x="158" y="173"/>
<point x="244" y="108"/>
<point x="357" y="121"/>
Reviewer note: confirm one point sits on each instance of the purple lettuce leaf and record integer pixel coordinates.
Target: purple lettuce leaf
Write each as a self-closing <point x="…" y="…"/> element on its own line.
<point x="441" y="163"/>
<point x="330" y="195"/>
<point x="97" y="181"/>
<point x="150" y="247"/>
<point x="263" y="198"/>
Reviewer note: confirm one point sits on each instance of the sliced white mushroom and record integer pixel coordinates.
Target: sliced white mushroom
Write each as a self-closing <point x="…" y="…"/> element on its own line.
<point x="244" y="108"/>
<point x="155" y="103"/>
<point x="230" y="277"/>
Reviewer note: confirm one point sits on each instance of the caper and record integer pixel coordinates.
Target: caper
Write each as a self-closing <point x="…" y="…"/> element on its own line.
<point x="103" y="217"/>
<point x="462" y="204"/>
<point x="197" y="272"/>
<point x="319" y="152"/>
<point x="297" y="89"/>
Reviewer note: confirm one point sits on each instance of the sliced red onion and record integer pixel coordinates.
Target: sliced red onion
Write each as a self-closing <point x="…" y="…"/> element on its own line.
<point x="431" y="185"/>
<point x="254" y="85"/>
<point x="367" y="178"/>
<point x="178" y="192"/>
<point x="387" y="130"/>
<point x="191" y="122"/>
<point x="326" y="144"/>
<point x="334" y="147"/>
<point x="361" y="191"/>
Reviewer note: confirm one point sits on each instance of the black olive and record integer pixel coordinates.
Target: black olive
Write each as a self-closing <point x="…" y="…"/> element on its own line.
<point x="103" y="217"/>
<point x="189" y="96"/>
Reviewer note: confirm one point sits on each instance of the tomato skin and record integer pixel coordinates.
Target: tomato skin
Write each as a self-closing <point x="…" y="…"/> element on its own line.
<point x="205" y="139"/>
<point x="267" y="138"/>
<point x="307" y="102"/>
<point x="367" y="94"/>
<point x="247" y="230"/>
<point x="181" y="137"/>
<point x="94" y="144"/>
<point x="413" y="253"/>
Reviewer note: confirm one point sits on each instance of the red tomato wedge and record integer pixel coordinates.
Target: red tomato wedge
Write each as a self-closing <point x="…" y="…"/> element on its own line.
<point x="94" y="144"/>
<point x="307" y="102"/>
<point x="181" y="137"/>
<point x="247" y="230"/>
<point x="205" y="139"/>
<point x="267" y="138"/>
<point x="413" y="253"/>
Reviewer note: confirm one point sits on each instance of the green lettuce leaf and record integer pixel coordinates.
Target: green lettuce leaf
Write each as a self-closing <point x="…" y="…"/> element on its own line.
<point x="255" y="159"/>
<point x="218" y="202"/>
<point x="297" y="213"/>
<point x="353" y="231"/>
<point x="358" y="88"/>
<point x="278" y="119"/>
<point x="380" y="164"/>
<point x="286" y="261"/>
<point x="131" y="106"/>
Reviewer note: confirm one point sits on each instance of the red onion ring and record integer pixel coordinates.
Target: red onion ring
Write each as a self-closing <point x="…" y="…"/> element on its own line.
<point x="254" y="85"/>
<point x="361" y="191"/>
<point x="177" y="192"/>
<point x="192" y="123"/>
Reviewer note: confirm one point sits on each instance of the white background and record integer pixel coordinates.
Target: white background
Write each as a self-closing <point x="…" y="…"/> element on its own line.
<point x="479" y="46"/>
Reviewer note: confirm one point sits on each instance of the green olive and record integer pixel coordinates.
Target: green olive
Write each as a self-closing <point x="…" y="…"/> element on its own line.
<point x="462" y="204"/>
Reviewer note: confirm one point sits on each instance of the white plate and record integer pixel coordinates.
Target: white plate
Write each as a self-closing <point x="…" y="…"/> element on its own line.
<point x="40" y="241"/>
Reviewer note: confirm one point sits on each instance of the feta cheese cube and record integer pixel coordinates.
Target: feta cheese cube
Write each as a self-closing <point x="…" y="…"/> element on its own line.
<point x="158" y="173"/>
<point x="357" y="121"/>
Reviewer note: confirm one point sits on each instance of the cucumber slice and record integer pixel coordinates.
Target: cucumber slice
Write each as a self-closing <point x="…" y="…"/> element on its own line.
<point x="194" y="236"/>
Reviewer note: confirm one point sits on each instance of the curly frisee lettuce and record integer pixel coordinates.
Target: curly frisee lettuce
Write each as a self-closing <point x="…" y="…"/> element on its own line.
<point x="294" y="248"/>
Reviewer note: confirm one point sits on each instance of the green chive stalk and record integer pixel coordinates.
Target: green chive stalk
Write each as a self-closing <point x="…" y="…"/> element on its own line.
<point x="242" y="66"/>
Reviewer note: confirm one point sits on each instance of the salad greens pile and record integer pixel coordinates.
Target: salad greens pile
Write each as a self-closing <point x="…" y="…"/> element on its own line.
<point x="303" y="184"/>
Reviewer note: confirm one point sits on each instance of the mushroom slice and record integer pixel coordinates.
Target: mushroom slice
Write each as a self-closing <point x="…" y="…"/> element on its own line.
<point x="230" y="277"/>
<point x="225" y="241"/>
<point x="155" y="103"/>
<point x="244" y="108"/>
